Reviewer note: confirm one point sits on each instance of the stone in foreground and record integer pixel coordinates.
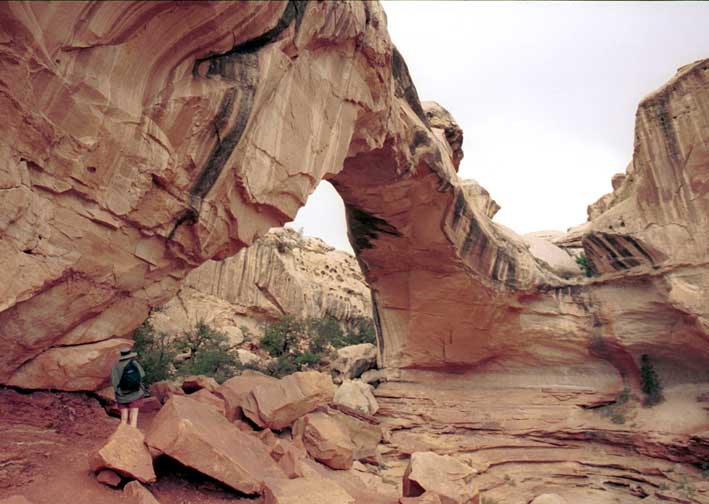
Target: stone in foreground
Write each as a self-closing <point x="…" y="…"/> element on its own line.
<point x="277" y="405"/>
<point x="327" y="440"/>
<point x="126" y="454"/>
<point x="442" y="475"/>
<point x="357" y="395"/>
<point x="354" y="360"/>
<point x="235" y="390"/>
<point x="201" y="438"/>
<point x="108" y="477"/>
<point x="305" y="491"/>
<point x="138" y="494"/>
<point x="549" y="499"/>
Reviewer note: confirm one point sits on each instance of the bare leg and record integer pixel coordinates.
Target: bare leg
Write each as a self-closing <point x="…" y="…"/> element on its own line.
<point x="134" y="417"/>
<point x="124" y="415"/>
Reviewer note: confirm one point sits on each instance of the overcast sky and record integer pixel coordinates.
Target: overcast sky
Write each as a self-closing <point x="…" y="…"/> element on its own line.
<point x="545" y="92"/>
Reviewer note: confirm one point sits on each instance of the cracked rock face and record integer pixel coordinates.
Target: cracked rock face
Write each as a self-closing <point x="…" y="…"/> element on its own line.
<point x="134" y="151"/>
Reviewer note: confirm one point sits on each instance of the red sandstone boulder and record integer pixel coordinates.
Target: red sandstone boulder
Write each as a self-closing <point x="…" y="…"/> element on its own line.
<point x="234" y="390"/>
<point x="326" y="439"/>
<point x="305" y="491"/>
<point x="108" y="477"/>
<point x="442" y="475"/>
<point x="199" y="382"/>
<point x="126" y="454"/>
<point x="210" y="399"/>
<point x="201" y="438"/>
<point x="138" y="494"/>
<point x="165" y="389"/>
<point x="277" y="405"/>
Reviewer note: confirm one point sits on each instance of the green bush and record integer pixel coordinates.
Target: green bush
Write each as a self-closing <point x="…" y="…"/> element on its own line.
<point x="155" y="352"/>
<point x="651" y="386"/>
<point x="585" y="265"/>
<point x="210" y="353"/>
<point x="281" y="337"/>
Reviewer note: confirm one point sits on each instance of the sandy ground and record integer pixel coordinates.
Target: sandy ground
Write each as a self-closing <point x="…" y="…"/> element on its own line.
<point x="45" y="442"/>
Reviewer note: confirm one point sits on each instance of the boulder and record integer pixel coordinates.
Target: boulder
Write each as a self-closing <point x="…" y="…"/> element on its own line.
<point x="278" y="404"/>
<point x="206" y="441"/>
<point x="289" y="455"/>
<point x="138" y="494"/>
<point x="248" y="358"/>
<point x="194" y="383"/>
<point x="442" y="475"/>
<point x="549" y="499"/>
<point x="305" y="491"/>
<point x="327" y="440"/>
<point x="235" y="389"/>
<point x="364" y="433"/>
<point x="108" y="477"/>
<point x="357" y="395"/>
<point x="212" y="400"/>
<point x="354" y="360"/>
<point x="165" y="389"/>
<point x="126" y="454"/>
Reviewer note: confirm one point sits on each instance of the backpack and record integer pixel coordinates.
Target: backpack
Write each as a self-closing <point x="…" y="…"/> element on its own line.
<point x="130" y="379"/>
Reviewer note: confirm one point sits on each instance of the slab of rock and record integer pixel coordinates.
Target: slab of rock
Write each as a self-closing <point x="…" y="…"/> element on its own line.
<point x="305" y="491"/>
<point x="549" y="499"/>
<point x="354" y="360"/>
<point x="327" y="440"/>
<point x="203" y="439"/>
<point x="208" y="398"/>
<point x="364" y="434"/>
<point x="108" y="477"/>
<point x="235" y="389"/>
<point x="126" y="454"/>
<point x="138" y="494"/>
<point x="442" y="475"/>
<point x="278" y="404"/>
<point x="165" y="389"/>
<point x="357" y="395"/>
<point x="198" y="382"/>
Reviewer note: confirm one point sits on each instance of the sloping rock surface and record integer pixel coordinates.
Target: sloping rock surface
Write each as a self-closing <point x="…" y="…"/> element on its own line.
<point x="279" y="403"/>
<point x="125" y="453"/>
<point x="201" y="438"/>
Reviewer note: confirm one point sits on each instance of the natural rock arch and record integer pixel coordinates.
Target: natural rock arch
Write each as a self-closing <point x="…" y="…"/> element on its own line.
<point x="133" y="150"/>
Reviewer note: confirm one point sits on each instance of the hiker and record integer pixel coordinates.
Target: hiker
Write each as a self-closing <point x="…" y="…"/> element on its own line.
<point x="127" y="380"/>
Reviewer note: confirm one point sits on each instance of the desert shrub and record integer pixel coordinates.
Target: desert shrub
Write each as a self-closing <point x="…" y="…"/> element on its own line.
<point x="282" y="337"/>
<point x="325" y="332"/>
<point x="651" y="386"/>
<point x="360" y="330"/>
<point x="155" y="352"/>
<point x="210" y="353"/>
<point x="585" y="265"/>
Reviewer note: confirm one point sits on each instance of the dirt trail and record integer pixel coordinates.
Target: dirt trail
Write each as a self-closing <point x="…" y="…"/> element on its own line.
<point x="47" y="438"/>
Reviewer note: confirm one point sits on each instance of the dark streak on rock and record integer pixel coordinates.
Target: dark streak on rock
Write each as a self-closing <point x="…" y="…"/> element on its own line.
<point x="239" y="65"/>
<point x="458" y="208"/>
<point x="640" y="249"/>
<point x="377" y="324"/>
<point x="365" y="227"/>
<point x="405" y="86"/>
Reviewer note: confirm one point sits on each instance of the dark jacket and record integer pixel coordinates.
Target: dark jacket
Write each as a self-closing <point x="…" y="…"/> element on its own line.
<point x="117" y="372"/>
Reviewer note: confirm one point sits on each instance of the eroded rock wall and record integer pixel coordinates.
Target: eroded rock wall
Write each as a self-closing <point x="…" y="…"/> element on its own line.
<point x="282" y="273"/>
<point x="138" y="145"/>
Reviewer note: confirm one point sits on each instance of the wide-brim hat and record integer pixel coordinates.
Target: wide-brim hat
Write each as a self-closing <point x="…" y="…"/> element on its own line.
<point x="127" y="353"/>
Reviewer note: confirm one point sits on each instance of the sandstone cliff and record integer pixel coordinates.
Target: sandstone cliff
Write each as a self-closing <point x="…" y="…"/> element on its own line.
<point x="282" y="273"/>
<point x="120" y="178"/>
